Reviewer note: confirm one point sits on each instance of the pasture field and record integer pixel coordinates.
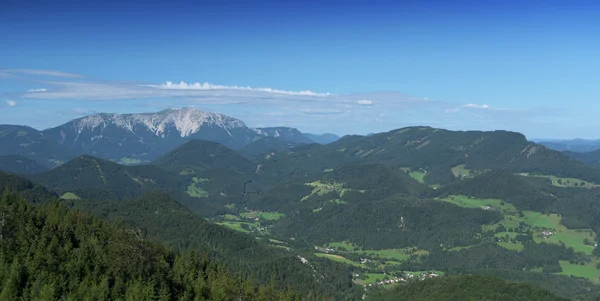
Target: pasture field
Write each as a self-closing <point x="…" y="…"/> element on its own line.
<point x="69" y="196"/>
<point x="564" y="182"/>
<point x="194" y="190"/>
<point x="588" y="271"/>
<point x="460" y="171"/>
<point x="418" y="175"/>
<point x="471" y="202"/>
<point x="339" y="258"/>
<point x="269" y="216"/>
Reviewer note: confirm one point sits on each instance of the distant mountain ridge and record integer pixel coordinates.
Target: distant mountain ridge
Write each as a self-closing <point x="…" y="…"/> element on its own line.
<point x="146" y="136"/>
<point x="135" y="138"/>
<point x="573" y="145"/>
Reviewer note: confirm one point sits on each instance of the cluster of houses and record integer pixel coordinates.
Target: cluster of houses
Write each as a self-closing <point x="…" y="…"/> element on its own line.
<point x="423" y="276"/>
<point x="546" y="234"/>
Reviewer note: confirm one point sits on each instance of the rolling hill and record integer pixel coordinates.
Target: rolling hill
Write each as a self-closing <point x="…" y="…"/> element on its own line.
<point x="94" y="178"/>
<point x="264" y="146"/>
<point x="197" y="156"/>
<point x="591" y="158"/>
<point x="20" y="165"/>
<point x="33" y="144"/>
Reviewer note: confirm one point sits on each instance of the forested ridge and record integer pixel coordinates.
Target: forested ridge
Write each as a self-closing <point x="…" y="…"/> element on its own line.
<point x="330" y="219"/>
<point x="50" y="252"/>
<point x="464" y="288"/>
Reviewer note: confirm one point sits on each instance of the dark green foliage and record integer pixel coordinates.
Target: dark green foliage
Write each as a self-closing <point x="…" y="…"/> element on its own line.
<point x="51" y="252"/>
<point x="464" y="288"/>
<point x="94" y="178"/>
<point x="32" y="192"/>
<point x="524" y="192"/>
<point x="483" y="256"/>
<point x="265" y="145"/>
<point x="155" y="214"/>
<point x="20" y="165"/>
<point x="391" y="223"/>
<point x="377" y="180"/>
<point x="197" y="156"/>
<point x="591" y="158"/>
<point x="568" y="287"/>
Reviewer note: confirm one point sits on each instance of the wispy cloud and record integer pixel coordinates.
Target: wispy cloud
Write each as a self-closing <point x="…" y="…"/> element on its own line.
<point x="49" y="73"/>
<point x="208" y="86"/>
<point x="10" y="103"/>
<point x="470" y="105"/>
<point x="306" y="109"/>
<point x="322" y="112"/>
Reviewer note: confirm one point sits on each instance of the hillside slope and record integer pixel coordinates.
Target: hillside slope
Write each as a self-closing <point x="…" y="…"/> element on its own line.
<point x="197" y="156"/>
<point x="464" y="288"/>
<point x="20" y="165"/>
<point x="89" y="177"/>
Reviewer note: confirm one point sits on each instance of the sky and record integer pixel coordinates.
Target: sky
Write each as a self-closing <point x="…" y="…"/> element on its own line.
<point x="346" y="67"/>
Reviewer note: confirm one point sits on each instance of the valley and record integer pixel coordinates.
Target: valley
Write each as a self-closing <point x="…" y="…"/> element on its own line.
<point x="366" y="213"/>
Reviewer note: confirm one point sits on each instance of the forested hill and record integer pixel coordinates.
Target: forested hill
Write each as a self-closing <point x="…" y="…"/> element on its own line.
<point x="591" y="158"/>
<point x="440" y="154"/>
<point x="20" y="164"/>
<point x="32" y="192"/>
<point x="49" y="252"/>
<point x="89" y="177"/>
<point x="160" y="217"/>
<point x="197" y="156"/>
<point x="467" y="288"/>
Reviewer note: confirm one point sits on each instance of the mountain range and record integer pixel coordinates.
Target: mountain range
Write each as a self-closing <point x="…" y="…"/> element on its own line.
<point x="360" y="211"/>
<point x="139" y="138"/>
<point x="572" y="145"/>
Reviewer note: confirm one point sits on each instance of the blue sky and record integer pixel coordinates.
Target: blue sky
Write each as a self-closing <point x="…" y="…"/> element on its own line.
<point x="528" y="66"/>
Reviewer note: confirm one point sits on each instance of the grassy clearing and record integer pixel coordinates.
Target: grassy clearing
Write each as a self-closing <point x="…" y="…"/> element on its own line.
<point x="345" y="246"/>
<point x="338" y="201"/>
<point x="320" y="188"/>
<point x="515" y="246"/>
<point x="588" y="271"/>
<point x="269" y="216"/>
<point x="564" y="182"/>
<point x="234" y="225"/>
<point x="194" y="190"/>
<point x="574" y="239"/>
<point x="339" y="258"/>
<point x="471" y="202"/>
<point x="231" y="217"/>
<point x="187" y="171"/>
<point x="418" y="175"/>
<point x="460" y="171"/>
<point x="389" y="254"/>
<point x="129" y="161"/>
<point x="69" y="196"/>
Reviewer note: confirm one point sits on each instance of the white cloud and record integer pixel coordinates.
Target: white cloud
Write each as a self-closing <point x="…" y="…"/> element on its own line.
<point x="37" y="90"/>
<point x="364" y="102"/>
<point x="208" y="86"/>
<point x="42" y="73"/>
<point x="453" y="110"/>
<point x="11" y="103"/>
<point x="470" y="105"/>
